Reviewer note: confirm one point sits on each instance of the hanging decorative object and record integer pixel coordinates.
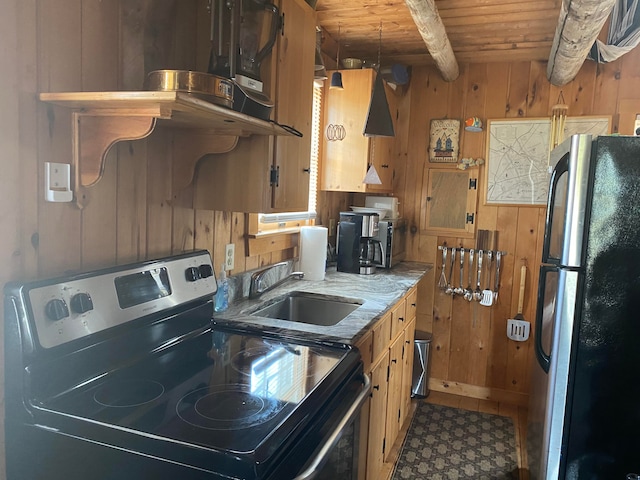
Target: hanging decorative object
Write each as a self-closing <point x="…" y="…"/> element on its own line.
<point x="379" y="122"/>
<point x="558" y="119"/>
<point x="336" y="77"/>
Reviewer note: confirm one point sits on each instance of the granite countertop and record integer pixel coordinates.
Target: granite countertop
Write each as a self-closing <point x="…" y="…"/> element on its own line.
<point x="377" y="293"/>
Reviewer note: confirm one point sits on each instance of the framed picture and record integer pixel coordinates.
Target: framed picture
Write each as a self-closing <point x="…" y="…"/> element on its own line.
<point x="444" y="141"/>
<point x="518" y="168"/>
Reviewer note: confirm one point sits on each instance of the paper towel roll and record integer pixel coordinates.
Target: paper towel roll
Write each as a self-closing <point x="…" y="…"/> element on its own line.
<point x="313" y="252"/>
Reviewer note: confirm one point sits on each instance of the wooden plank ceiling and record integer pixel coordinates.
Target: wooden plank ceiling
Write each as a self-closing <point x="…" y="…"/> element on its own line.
<point x="479" y="30"/>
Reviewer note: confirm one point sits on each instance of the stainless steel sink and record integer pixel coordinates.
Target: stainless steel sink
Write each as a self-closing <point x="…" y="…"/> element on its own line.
<point x="309" y="308"/>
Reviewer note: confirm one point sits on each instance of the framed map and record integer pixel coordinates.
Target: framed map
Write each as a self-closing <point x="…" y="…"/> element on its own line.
<point x="517" y="171"/>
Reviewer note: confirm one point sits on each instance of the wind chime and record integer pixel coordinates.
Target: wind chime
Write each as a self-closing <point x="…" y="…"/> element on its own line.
<point x="558" y="119"/>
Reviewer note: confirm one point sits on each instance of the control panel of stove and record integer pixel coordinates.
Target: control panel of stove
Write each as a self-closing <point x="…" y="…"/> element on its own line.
<point x="66" y="310"/>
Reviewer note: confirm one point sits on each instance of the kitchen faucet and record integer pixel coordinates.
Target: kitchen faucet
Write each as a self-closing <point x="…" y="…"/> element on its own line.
<point x="260" y="279"/>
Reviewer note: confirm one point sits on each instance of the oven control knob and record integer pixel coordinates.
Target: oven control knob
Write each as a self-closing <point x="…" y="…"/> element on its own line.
<point x="192" y="274"/>
<point x="81" y="303"/>
<point x="206" y="270"/>
<point x="56" y="309"/>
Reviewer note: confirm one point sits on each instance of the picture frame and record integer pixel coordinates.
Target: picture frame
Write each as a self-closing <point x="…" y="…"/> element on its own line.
<point x="444" y="141"/>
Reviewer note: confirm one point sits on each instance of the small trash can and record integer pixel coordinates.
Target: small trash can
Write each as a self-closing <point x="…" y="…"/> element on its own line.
<point x="420" y="380"/>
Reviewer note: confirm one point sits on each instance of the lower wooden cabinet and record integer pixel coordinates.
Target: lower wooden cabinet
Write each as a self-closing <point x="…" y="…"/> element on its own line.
<point x="387" y="353"/>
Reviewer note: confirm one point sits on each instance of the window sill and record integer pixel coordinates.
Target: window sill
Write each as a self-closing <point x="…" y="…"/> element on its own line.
<point x="272" y="241"/>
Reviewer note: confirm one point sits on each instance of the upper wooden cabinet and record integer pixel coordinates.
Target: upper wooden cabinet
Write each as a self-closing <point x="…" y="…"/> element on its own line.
<point x="271" y="174"/>
<point x="346" y="152"/>
<point x="450" y="198"/>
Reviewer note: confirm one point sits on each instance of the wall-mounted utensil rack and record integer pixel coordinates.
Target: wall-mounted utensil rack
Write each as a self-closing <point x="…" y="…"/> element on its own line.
<point x="475" y="267"/>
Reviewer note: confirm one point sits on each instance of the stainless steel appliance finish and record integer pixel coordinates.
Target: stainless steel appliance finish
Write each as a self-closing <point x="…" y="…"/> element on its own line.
<point x="153" y="388"/>
<point x="583" y="417"/>
<point x="392" y="235"/>
<point x="357" y="247"/>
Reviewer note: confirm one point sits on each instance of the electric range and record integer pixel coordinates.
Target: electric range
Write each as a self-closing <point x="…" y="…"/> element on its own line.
<point x="123" y="373"/>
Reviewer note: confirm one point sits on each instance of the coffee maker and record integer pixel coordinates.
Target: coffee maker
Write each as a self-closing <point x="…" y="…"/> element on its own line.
<point x="357" y="247"/>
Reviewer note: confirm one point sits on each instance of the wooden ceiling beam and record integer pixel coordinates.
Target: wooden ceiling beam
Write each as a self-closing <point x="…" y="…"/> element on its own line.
<point x="431" y="29"/>
<point x="579" y="24"/>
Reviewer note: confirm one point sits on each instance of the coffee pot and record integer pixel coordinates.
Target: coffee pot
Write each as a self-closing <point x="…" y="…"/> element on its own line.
<point x="370" y="253"/>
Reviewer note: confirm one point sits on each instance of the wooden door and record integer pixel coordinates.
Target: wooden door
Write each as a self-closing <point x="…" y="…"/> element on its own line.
<point x="377" y="415"/>
<point x="294" y="100"/>
<point x="345" y="155"/>
<point x="382" y="153"/>
<point x="450" y="197"/>
<point x="407" y="370"/>
<point x="395" y="393"/>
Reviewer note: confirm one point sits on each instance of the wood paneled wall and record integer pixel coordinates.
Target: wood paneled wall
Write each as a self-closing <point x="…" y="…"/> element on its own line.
<point x="471" y="354"/>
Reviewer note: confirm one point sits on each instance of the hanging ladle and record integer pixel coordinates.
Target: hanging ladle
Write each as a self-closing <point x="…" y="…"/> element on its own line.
<point x="460" y="290"/>
<point x="468" y="292"/>
<point x="450" y="290"/>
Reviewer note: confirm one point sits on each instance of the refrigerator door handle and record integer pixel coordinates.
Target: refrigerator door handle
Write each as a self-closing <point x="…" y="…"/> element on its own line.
<point x="561" y="168"/>
<point x="543" y="358"/>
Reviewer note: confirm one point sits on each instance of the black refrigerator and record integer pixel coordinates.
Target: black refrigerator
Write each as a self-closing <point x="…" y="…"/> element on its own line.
<point x="584" y="407"/>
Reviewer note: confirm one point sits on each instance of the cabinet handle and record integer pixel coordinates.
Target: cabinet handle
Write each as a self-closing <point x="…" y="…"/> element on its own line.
<point x="413" y="305"/>
<point x="401" y="319"/>
<point x="376" y="387"/>
<point x="384" y="165"/>
<point x="407" y="341"/>
<point x="394" y="361"/>
<point x="306" y="170"/>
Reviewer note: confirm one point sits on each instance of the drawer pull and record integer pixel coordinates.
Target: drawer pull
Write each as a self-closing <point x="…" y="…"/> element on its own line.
<point x="413" y="305"/>
<point x="394" y="361"/>
<point x="401" y="319"/>
<point x="376" y="387"/>
<point x="407" y="342"/>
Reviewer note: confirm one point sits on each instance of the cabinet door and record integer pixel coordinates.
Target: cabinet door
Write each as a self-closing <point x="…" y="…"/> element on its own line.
<point x="294" y="100"/>
<point x="382" y="152"/>
<point x="395" y="399"/>
<point x="345" y="155"/>
<point x="450" y="197"/>
<point x="377" y="416"/>
<point x="407" y="370"/>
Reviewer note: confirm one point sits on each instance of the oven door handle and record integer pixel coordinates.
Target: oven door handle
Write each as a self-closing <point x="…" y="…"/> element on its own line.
<point x="319" y="459"/>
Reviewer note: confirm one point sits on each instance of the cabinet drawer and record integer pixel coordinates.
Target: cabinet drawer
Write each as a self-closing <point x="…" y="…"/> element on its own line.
<point x="398" y="318"/>
<point x="412" y="304"/>
<point x="381" y="336"/>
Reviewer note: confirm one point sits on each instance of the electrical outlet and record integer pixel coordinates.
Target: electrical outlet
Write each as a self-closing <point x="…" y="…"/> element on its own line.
<point x="229" y="256"/>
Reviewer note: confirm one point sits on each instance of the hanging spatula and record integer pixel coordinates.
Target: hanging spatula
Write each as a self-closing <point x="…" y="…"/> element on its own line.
<point x="487" y="293"/>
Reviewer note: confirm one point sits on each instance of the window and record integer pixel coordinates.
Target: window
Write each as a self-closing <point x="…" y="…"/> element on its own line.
<point x="292" y="220"/>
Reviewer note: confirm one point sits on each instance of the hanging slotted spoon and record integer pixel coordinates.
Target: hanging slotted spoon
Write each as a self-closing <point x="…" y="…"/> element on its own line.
<point x="496" y="285"/>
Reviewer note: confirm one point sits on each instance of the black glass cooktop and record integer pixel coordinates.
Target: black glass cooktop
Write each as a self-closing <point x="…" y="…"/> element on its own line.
<point x="224" y="390"/>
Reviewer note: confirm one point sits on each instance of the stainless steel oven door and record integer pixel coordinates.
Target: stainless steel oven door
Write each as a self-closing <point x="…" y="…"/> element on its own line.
<point x="337" y="456"/>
